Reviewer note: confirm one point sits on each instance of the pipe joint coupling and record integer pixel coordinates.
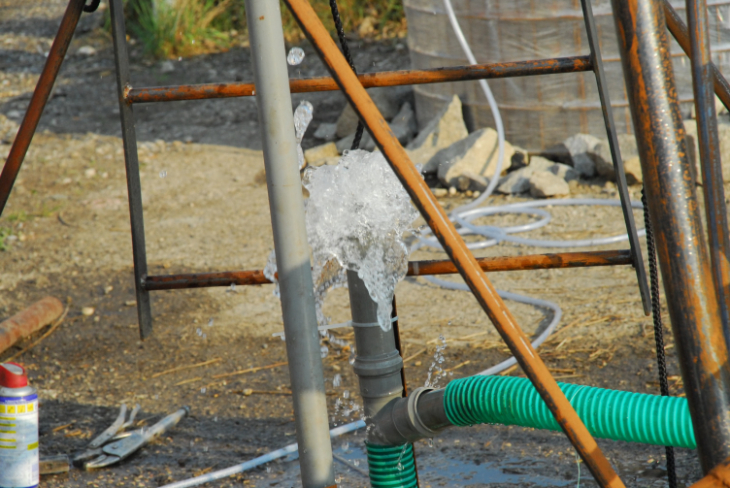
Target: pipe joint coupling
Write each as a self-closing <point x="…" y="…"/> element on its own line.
<point x="400" y="422"/>
<point x="380" y="365"/>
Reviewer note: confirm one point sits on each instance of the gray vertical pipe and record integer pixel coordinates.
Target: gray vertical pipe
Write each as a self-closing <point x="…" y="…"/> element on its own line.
<point x="378" y="363"/>
<point x="709" y="144"/>
<point x="134" y="186"/>
<point x="673" y="207"/>
<point x="290" y="242"/>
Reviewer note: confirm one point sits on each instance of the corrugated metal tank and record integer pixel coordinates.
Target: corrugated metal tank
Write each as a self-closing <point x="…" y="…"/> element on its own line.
<point x="538" y="111"/>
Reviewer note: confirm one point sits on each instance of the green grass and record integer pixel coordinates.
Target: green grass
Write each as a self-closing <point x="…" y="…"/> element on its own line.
<point x="4" y="234"/>
<point x="181" y="28"/>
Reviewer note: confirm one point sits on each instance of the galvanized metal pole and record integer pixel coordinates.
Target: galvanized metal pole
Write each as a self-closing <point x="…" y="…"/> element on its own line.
<point x="673" y="206"/>
<point x="290" y="242"/>
<point x="709" y="144"/>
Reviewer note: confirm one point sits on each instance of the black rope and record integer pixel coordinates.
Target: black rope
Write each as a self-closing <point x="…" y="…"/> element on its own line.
<point x="348" y="56"/>
<point x="656" y="313"/>
<point x="92" y="6"/>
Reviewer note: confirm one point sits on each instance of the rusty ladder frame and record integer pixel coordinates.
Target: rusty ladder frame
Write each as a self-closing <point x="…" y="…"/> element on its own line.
<point x="572" y="426"/>
<point x="129" y="96"/>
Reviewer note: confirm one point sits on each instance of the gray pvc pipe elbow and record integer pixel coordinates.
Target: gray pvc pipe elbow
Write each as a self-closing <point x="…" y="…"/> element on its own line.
<point x="420" y="415"/>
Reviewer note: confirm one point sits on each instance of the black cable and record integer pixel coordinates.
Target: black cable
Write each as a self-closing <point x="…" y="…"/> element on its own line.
<point x="656" y="313"/>
<point x="348" y="56"/>
<point x="92" y="6"/>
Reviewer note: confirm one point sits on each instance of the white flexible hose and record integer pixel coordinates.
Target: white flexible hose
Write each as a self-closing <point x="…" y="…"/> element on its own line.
<point x="266" y="458"/>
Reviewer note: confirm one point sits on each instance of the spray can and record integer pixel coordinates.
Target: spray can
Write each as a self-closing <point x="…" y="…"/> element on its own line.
<point x="18" y="429"/>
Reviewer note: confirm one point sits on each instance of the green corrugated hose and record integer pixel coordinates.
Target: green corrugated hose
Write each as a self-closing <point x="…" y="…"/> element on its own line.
<point x="391" y="466"/>
<point x="608" y="414"/>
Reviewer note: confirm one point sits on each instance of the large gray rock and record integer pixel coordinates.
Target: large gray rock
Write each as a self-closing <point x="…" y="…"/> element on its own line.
<point x="519" y="181"/>
<point x="472" y="181"/>
<point x="516" y="181"/>
<point x="563" y="171"/>
<point x="315" y="156"/>
<point x="582" y="149"/>
<point x="604" y="161"/>
<point x="326" y="131"/>
<point x="386" y="102"/>
<point x="538" y="163"/>
<point x="477" y="153"/>
<point x="545" y="184"/>
<point x="445" y="129"/>
<point x="404" y="124"/>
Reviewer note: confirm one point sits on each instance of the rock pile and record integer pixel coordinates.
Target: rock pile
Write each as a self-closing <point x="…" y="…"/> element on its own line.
<point x="454" y="160"/>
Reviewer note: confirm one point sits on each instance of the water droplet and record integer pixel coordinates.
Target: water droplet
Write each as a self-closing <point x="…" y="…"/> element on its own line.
<point x="430" y="443"/>
<point x="199" y="331"/>
<point x="338" y="479"/>
<point x="324" y="351"/>
<point x="356" y="462"/>
<point x="233" y="287"/>
<point x="157" y="397"/>
<point x="215" y="419"/>
<point x="295" y="56"/>
<point x="163" y="173"/>
<point x="346" y="394"/>
<point x="352" y="357"/>
<point x="204" y="336"/>
<point x="302" y="117"/>
<point x="337" y="380"/>
<point x="203" y="390"/>
<point x="268" y="469"/>
<point x="400" y="466"/>
<point x="205" y="449"/>
<point x="210" y="322"/>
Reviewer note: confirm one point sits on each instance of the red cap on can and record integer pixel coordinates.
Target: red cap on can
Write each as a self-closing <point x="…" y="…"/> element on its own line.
<point x="12" y="375"/>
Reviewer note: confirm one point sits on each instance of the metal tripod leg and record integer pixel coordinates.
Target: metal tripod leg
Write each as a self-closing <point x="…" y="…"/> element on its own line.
<point x="134" y="188"/>
<point x="618" y="163"/>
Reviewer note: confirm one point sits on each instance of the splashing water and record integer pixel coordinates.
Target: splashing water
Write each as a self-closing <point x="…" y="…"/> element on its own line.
<point x="324" y="351"/>
<point x="199" y="331"/>
<point x="203" y="390"/>
<point x="270" y="272"/>
<point x="337" y="380"/>
<point x="295" y="56"/>
<point x="302" y="117"/>
<point x="436" y="372"/>
<point x="400" y="458"/>
<point x="210" y="322"/>
<point x="163" y="174"/>
<point x="362" y="230"/>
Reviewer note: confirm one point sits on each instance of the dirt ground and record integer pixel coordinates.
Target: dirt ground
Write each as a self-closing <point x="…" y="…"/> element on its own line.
<point x="70" y="238"/>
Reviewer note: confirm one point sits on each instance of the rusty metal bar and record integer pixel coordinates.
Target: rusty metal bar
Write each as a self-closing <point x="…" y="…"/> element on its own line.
<point x="719" y="477"/>
<point x="33" y="318"/>
<point x="575" y="64"/>
<point x="711" y="165"/>
<point x="673" y="207"/>
<point x="415" y="268"/>
<point x="39" y="99"/>
<point x="454" y="245"/>
<point x="676" y="26"/>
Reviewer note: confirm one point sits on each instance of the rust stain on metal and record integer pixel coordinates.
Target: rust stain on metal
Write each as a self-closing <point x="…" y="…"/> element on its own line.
<point x="573" y="64"/>
<point x="454" y="245"/>
<point x="30" y="320"/>
<point x="39" y="99"/>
